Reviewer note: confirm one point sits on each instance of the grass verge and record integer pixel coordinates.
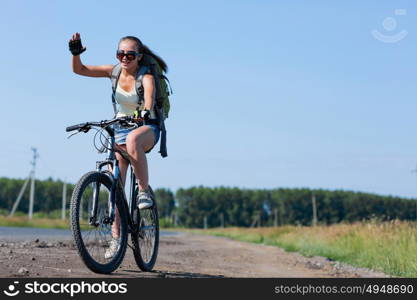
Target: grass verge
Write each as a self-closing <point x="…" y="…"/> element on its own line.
<point x="390" y="247"/>
<point x="23" y="221"/>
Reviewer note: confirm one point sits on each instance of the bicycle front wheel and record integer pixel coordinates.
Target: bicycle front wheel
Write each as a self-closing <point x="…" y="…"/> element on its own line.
<point x="101" y="243"/>
<point x="145" y="238"/>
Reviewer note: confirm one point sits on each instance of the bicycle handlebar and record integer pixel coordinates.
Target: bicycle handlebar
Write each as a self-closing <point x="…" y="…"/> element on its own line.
<point x="75" y="127"/>
<point x="87" y="126"/>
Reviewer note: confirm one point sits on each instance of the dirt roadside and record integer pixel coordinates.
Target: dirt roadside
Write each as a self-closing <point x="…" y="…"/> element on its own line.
<point x="183" y="255"/>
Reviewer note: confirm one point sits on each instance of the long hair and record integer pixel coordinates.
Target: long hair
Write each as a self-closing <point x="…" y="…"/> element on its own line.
<point x="145" y="50"/>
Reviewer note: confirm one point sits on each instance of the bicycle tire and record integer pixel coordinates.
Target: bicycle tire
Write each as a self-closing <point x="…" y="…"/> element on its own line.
<point x="146" y="218"/>
<point x="80" y="193"/>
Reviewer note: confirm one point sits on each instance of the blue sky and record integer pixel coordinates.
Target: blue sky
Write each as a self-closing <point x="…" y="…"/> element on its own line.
<point x="266" y="93"/>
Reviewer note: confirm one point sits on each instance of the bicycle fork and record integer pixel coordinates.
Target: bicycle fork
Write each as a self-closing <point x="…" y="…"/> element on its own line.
<point x="93" y="212"/>
<point x="116" y="189"/>
<point x="111" y="202"/>
<point x="116" y="174"/>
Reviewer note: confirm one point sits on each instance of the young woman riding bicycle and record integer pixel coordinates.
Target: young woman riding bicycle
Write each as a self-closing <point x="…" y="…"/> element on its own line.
<point x="136" y="142"/>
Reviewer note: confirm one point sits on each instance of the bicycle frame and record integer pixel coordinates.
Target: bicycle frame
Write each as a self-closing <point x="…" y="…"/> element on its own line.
<point x="117" y="186"/>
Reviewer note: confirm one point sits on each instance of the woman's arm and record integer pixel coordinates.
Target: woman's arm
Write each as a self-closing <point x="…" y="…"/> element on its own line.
<point x="149" y="91"/>
<point x="91" y="71"/>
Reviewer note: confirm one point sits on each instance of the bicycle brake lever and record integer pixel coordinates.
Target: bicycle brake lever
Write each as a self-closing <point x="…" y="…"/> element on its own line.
<point x="74" y="133"/>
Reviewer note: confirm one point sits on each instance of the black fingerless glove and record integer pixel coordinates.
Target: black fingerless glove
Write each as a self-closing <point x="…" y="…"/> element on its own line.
<point x="145" y="114"/>
<point x="76" y="47"/>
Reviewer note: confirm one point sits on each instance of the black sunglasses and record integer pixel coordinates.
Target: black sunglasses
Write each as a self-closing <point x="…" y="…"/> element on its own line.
<point x="130" y="55"/>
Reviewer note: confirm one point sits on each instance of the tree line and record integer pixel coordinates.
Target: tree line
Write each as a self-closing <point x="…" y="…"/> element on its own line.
<point x="226" y="206"/>
<point x="282" y="206"/>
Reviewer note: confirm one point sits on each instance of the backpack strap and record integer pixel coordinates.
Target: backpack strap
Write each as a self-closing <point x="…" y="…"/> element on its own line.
<point x="143" y="70"/>
<point x="159" y="112"/>
<point x="115" y="74"/>
<point x="163" y="143"/>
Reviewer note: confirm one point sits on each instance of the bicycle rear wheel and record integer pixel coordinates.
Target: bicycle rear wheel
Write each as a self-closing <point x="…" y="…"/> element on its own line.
<point x="92" y="231"/>
<point x="145" y="238"/>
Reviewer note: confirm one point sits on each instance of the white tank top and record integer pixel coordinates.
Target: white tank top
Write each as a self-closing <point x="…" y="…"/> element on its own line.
<point x="127" y="102"/>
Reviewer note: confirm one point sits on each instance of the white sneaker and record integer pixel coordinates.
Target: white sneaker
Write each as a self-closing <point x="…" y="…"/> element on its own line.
<point x="144" y="200"/>
<point x="111" y="251"/>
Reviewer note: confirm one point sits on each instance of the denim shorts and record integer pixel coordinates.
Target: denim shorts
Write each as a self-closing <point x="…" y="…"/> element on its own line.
<point x="121" y="132"/>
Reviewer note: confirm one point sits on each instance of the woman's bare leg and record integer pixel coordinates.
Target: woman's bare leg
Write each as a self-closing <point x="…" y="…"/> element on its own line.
<point x="123" y="165"/>
<point x="137" y="143"/>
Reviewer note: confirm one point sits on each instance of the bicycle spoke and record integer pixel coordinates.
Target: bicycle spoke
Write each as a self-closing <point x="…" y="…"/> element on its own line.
<point x="147" y="229"/>
<point x="96" y="238"/>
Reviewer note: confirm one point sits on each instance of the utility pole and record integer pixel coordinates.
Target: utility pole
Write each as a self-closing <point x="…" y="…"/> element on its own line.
<point x="32" y="184"/>
<point x="222" y="220"/>
<point x="313" y="199"/>
<point x="256" y="220"/>
<point x="205" y="222"/>
<point x="64" y="200"/>
<point x="282" y="212"/>
<point x="22" y="190"/>
<point x="30" y="178"/>
<point x="275" y="217"/>
<point x="415" y="171"/>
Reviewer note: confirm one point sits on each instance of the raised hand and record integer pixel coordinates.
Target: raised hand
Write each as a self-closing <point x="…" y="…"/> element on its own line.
<point x="75" y="45"/>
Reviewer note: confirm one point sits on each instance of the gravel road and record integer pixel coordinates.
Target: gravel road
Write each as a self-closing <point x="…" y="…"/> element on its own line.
<point x="180" y="255"/>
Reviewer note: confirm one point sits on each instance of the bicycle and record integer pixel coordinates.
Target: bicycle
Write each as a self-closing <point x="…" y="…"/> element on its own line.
<point x="99" y="196"/>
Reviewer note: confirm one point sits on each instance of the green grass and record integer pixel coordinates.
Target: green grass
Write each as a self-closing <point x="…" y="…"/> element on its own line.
<point x="23" y="221"/>
<point x="40" y="220"/>
<point x="390" y="247"/>
<point x="50" y="220"/>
